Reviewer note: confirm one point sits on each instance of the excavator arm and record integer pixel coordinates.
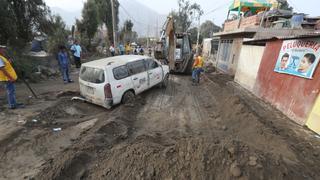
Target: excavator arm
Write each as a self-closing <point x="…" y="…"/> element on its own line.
<point x="174" y="48"/>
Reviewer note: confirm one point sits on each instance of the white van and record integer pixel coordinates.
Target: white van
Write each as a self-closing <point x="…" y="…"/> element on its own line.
<point x="113" y="80"/>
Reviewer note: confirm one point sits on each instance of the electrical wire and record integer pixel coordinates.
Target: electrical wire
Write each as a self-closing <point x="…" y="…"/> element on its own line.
<point x="294" y="6"/>
<point x="217" y="8"/>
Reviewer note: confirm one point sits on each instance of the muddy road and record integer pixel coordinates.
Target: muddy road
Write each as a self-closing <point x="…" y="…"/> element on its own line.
<point x="212" y="131"/>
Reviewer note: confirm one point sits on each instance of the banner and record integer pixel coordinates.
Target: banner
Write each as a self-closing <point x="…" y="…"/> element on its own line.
<point x="299" y="57"/>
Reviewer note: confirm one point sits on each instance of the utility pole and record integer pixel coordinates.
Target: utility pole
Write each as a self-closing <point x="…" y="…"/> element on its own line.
<point x="198" y="36"/>
<point x="113" y="23"/>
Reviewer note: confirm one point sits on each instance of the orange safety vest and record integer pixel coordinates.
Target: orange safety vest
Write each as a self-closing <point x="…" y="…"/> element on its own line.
<point x="9" y="69"/>
<point x="198" y="63"/>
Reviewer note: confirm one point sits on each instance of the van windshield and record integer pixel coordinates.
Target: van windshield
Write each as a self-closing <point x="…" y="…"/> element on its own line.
<point x="93" y="75"/>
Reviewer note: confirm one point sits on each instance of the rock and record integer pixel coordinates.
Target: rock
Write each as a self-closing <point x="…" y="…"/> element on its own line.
<point x="207" y="106"/>
<point x="259" y="166"/>
<point x="150" y="172"/>
<point x="224" y="128"/>
<point x="253" y="161"/>
<point x="235" y="170"/>
<point x="253" y="158"/>
<point x="231" y="150"/>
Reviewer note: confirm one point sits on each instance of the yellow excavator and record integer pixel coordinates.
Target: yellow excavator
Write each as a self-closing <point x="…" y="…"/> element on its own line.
<point x="174" y="48"/>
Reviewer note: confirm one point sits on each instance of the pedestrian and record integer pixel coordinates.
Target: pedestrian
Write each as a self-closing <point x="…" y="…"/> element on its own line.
<point x="149" y="51"/>
<point x="76" y="49"/>
<point x="112" y="50"/>
<point x="135" y="51"/>
<point x="141" y="51"/>
<point x="121" y="49"/>
<point x="128" y="48"/>
<point x="8" y="76"/>
<point x="64" y="64"/>
<point x="197" y="69"/>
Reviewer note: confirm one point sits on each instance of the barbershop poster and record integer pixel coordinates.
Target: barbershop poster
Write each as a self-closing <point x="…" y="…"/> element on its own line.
<point x="299" y="57"/>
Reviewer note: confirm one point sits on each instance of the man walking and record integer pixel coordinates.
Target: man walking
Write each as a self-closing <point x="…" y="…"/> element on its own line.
<point x="197" y="69"/>
<point x="8" y="76"/>
<point x="76" y="49"/>
<point x="64" y="64"/>
<point x="112" y="50"/>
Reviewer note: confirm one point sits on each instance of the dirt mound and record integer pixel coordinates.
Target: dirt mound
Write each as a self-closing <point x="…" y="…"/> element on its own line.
<point x="191" y="158"/>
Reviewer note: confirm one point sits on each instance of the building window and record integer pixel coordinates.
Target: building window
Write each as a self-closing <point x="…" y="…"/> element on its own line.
<point x="225" y="49"/>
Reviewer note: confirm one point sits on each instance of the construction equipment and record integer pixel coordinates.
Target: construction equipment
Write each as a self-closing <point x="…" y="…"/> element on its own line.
<point x="174" y="48"/>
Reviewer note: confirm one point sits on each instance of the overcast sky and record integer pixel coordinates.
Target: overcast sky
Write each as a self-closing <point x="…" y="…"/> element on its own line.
<point x="215" y="10"/>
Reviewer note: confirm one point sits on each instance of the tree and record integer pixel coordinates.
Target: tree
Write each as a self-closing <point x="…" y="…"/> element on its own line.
<point x="208" y="28"/>
<point x="126" y="34"/>
<point x="21" y="19"/>
<point x="90" y="20"/>
<point x="185" y="15"/>
<point x="58" y="35"/>
<point x="284" y="5"/>
<point x="105" y="15"/>
<point x="193" y="35"/>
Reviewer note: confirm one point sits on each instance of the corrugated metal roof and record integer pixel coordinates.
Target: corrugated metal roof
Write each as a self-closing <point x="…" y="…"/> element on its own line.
<point x="303" y="34"/>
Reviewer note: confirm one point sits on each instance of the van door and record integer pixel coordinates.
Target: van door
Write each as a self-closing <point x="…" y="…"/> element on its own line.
<point x="155" y="73"/>
<point x="92" y="81"/>
<point x="139" y="75"/>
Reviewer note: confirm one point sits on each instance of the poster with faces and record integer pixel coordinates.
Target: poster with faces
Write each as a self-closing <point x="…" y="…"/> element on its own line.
<point x="299" y="57"/>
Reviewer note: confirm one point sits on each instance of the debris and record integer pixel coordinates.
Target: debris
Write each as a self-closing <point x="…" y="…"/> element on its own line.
<point x="78" y="98"/>
<point x="231" y="150"/>
<point x="235" y="170"/>
<point x="34" y="120"/>
<point x="317" y="136"/>
<point x="253" y="161"/>
<point x="21" y="121"/>
<point x="57" y="129"/>
<point x="224" y="128"/>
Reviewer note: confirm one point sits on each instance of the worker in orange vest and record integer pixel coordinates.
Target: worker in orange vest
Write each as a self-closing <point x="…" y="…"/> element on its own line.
<point x="8" y="76"/>
<point x="197" y="68"/>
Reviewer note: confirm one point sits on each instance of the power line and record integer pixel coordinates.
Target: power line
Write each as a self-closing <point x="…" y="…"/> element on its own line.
<point x="213" y="10"/>
<point x="294" y="6"/>
<point x="131" y="17"/>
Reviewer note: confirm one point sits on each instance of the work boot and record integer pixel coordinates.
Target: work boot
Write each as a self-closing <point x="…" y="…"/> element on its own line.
<point x="17" y="106"/>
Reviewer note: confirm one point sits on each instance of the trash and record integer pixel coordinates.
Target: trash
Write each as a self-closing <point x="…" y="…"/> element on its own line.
<point x="22" y="121"/>
<point x="57" y="129"/>
<point x="29" y="97"/>
<point x="235" y="170"/>
<point x="317" y="136"/>
<point x="78" y="98"/>
<point x="34" y="120"/>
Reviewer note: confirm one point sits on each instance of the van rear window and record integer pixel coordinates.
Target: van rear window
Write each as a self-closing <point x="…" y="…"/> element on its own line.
<point x="92" y="75"/>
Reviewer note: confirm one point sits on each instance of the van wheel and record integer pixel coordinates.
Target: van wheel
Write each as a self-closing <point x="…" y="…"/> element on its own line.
<point x="128" y="97"/>
<point x="165" y="81"/>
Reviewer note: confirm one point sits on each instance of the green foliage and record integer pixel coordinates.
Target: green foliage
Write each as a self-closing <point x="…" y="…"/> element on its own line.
<point x="126" y="34"/>
<point x="105" y="15"/>
<point x="90" y="20"/>
<point x="58" y="35"/>
<point x="208" y="28"/>
<point x="285" y="5"/>
<point x="193" y="35"/>
<point x="185" y="15"/>
<point x="21" y="19"/>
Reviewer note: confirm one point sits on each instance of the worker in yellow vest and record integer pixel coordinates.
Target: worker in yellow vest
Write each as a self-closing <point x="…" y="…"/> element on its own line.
<point x="197" y="68"/>
<point x="8" y="76"/>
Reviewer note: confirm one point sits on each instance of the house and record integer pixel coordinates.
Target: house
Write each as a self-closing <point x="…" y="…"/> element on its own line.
<point x="263" y="22"/>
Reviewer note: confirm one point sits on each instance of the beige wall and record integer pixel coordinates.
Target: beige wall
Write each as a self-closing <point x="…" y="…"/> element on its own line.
<point x="248" y="65"/>
<point x="227" y="57"/>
